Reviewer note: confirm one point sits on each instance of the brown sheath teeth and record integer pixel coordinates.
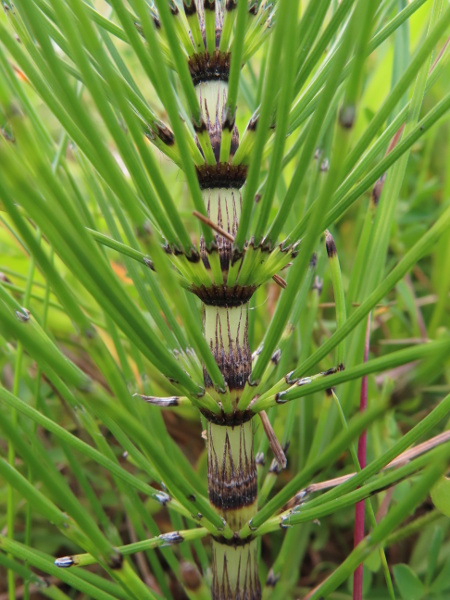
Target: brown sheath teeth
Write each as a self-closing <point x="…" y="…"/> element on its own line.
<point x="235" y="495"/>
<point x="233" y="358"/>
<point x="116" y="561"/>
<point x="162" y="132"/>
<point x="234" y="365"/>
<point x="330" y="245"/>
<point x="237" y="417"/>
<point x="190" y="9"/>
<point x="232" y="484"/>
<point x="221" y="295"/>
<point x="226" y="217"/>
<point x="247" y="586"/>
<point x="236" y="541"/>
<point x="214" y="125"/>
<point x="221" y="175"/>
<point x="205" y="67"/>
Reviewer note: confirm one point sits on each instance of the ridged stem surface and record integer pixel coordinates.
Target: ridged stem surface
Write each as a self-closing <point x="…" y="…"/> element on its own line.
<point x="232" y="482"/>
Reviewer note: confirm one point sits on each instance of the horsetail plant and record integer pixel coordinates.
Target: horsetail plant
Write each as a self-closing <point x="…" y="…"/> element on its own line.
<point x="170" y="280"/>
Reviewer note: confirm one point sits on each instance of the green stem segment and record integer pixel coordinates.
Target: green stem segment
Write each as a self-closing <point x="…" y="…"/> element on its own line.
<point x="232" y="487"/>
<point x="235" y="571"/>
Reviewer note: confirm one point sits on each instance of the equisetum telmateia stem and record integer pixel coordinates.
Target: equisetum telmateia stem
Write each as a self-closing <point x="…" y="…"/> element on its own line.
<point x="232" y="483"/>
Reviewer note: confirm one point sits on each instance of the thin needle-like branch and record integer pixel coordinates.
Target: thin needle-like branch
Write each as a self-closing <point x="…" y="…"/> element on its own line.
<point x="160" y="541"/>
<point x="400" y="460"/>
<point x="273" y="440"/>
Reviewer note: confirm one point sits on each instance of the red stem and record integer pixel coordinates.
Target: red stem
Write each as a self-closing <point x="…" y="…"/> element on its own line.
<point x="362" y="444"/>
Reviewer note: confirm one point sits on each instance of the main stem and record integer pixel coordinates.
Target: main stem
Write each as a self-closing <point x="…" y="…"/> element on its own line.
<point x="232" y="480"/>
<point x="232" y="491"/>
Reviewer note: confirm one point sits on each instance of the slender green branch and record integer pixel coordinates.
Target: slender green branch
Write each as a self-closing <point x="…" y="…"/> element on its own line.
<point x="165" y="539"/>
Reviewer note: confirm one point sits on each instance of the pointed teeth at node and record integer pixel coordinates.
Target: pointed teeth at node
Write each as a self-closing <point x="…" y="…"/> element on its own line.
<point x="275" y="468"/>
<point x="64" y="562"/>
<point x="318" y="284"/>
<point x="331" y="246"/>
<point x="377" y="189"/>
<point x="229" y="121"/>
<point x="162" y="132"/>
<point x="253" y="123"/>
<point x="189" y="7"/>
<point x="260" y="459"/>
<point x="221" y="175"/>
<point x="162" y="498"/>
<point x="156" y="22"/>
<point x="272" y="579"/>
<point x="163" y="402"/>
<point x="276" y="356"/>
<point x="169" y="539"/>
<point x="149" y="263"/>
<point x="212" y="98"/>
<point x="23" y="314"/>
<point x="200" y="127"/>
<point x="279" y="398"/>
<point x="205" y="67"/>
<point x="173" y="7"/>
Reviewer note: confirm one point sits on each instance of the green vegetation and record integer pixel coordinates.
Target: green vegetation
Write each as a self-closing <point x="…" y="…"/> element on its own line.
<point x="230" y="221"/>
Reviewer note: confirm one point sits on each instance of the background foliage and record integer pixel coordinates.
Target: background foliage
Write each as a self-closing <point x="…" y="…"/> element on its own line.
<point x="85" y="324"/>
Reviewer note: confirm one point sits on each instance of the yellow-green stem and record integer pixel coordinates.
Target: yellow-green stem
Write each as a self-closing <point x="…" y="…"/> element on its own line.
<point x="232" y="484"/>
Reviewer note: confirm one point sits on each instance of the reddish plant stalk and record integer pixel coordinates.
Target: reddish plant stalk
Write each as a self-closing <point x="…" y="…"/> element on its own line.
<point x="362" y="446"/>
